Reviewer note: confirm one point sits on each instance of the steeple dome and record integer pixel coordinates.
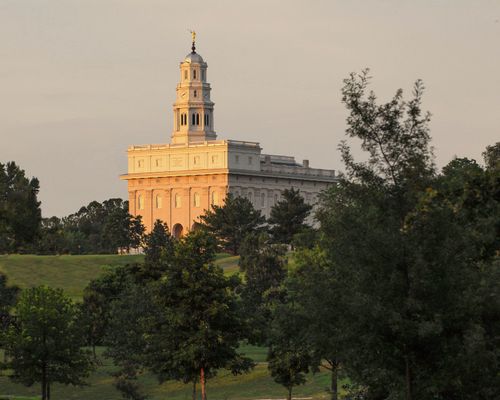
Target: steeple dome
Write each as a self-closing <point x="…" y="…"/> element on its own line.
<point x="193" y="109"/>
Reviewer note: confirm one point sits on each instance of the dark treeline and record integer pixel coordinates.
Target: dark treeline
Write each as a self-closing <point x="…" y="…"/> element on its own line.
<point x="97" y="228"/>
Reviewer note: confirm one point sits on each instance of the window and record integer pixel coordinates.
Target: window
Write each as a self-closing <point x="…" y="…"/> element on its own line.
<point x="158" y="162"/>
<point x="250" y="160"/>
<point x="194" y="76"/>
<point x="196" y="160"/>
<point x="275" y="198"/>
<point x="193" y="119"/>
<point x="214" y="159"/>
<point x="215" y="198"/>
<point x="197" y="119"/>
<point x="262" y="199"/>
<point x="203" y="75"/>
<point x="250" y="196"/>
<point x="158" y="201"/>
<point x="195" y="93"/>
<point x="140" y="202"/>
<point x="208" y="120"/>
<point x="196" y="200"/>
<point x="185" y="74"/>
<point x="140" y="164"/>
<point x="237" y="159"/>
<point x="177" y="200"/>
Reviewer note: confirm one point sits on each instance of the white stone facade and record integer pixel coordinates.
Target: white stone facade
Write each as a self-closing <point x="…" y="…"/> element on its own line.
<point x="178" y="182"/>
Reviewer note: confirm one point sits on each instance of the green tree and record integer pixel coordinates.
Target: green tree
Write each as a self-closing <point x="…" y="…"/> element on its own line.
<point x="289" y="354"/>
<point x="158" y="250"/>
<point x="312" y="287"/>
<point x="231" y="222"/>
<point x="264" y="265"/>
<point x="288" y="216"/>
<point x="203" y="324"/>
<point x="20" y="213"/>
<point x="410" y="273"/>
<point x="48" y="346"/>
<point x="492" y="156"/>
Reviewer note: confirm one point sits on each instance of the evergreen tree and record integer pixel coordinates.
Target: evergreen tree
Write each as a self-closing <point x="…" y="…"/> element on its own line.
<point x="20" y="213"/>
<point x="158" y="250"/>
<point x="288" y="216"/>
<point x="48" y="346"/>
<point x="231" y="222"/>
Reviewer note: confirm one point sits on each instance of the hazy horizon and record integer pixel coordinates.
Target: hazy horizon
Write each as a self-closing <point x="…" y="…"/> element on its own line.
<point x="81" y="81"/>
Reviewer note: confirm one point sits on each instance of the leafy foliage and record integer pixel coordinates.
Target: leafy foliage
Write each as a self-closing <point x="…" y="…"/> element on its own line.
<point x="20" y="213"/>
<point x="48" y="347"/>
<point x="231" y="222"/>
<point x="98" y="228"/>
<point x="411" y="254"/>
<point x="264" y="265"/>
<point x="288" y="216"/>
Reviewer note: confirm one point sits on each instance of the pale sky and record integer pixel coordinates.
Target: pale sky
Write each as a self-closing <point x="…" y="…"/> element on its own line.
<point x="82" y="80"/>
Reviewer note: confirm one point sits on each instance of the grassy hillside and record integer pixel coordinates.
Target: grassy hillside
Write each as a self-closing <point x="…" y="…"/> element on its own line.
<point x="73" y="273"/>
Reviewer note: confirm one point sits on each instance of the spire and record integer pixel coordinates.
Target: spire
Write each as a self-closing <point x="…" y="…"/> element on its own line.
<point x="193" y="109"/>
<point x="193" y="37"/>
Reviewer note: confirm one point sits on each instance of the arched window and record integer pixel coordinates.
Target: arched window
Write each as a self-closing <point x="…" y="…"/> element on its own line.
<point x="197" y="119"/>
<point x="208" y="120"/>
<point x="194" y="74"/>
<point x="177" y="200"/>
<point x="195" y="93"/>
<point x="158" y="201"/>
<point x="215" y="198"/>
<point x="193" y="119"/>
<point x="196" y="199"/>
<point x="140" y="202"/>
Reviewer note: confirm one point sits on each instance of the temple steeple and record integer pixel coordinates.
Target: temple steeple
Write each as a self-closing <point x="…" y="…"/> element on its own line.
<point x="193" y="109"/>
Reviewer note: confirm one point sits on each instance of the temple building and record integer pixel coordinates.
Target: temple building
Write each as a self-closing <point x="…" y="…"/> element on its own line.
<point x="178" y="181"/>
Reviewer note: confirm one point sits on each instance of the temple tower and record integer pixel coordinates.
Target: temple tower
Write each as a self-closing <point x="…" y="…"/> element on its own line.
<point x="193" y="109"/>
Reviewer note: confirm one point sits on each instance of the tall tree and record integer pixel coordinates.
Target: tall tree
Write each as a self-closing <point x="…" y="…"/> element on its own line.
<point x="288" y="216"/>
<point x="408" y="268"/>
<point x="289" y="353"/>
<point x="312" y="287"/>
<point x="231" y="222"/>
<point x="158" y="250"/>
<point x="48" y="346"/>
<point x="20" y="213"/>
<point x="264" y="265"/>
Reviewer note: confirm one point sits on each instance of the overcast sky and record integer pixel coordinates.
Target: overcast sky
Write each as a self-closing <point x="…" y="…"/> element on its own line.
<point x="82" y="80"/>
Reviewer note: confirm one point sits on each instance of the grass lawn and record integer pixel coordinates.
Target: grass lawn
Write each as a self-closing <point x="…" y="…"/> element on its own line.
<point x="73" y="273"/>
<point x="255" y="385"/>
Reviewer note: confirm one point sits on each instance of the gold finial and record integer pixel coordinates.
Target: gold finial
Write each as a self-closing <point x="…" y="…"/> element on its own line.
<point x="193" y="37"/>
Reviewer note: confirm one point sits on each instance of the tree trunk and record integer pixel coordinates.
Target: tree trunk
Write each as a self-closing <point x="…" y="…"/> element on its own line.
<point x="289" y="397"/>
<point x="44" y="381"/>
<point x="408" y="380"/>
<point x="48" y="390"/>
<point x="202" y="383"/>
<point x="334" y="385"/>
<point x="194" y="389"/>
